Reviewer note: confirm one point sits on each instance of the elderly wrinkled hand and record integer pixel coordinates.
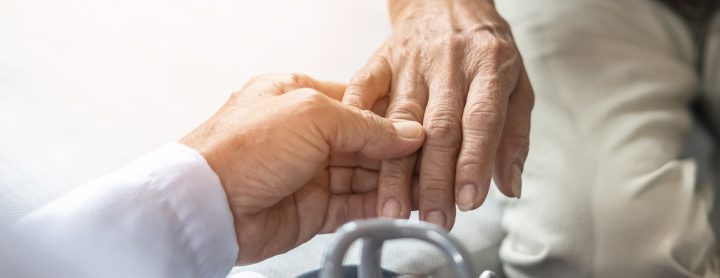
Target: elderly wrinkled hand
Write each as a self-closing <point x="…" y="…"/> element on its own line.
<point x="295" y="161"/>
<point x="453" y="66"/>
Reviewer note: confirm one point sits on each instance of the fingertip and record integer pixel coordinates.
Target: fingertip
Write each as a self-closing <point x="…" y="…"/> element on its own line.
<point x="395" y="188"/>
<point x="504" y="179"/>
<point x="471" y="196"/>
<point x="441" y="217"/>
<point x="466" y="197"/>
<point x="473" y="177"/>
<point x="437" y="217"/>
<point x="516" y="181"/>
<point x="391" y="208"/>
<point x="410" y="137"/>
<point x="408" y="129"/>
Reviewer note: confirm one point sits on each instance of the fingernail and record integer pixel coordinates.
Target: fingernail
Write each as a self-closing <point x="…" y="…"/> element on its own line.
<point x="391" y="208"/>
<point x="436" y="217"/>
<point x="466" y="197"/>
<point x="408" y="129"/>
<point x="516" y="180"/>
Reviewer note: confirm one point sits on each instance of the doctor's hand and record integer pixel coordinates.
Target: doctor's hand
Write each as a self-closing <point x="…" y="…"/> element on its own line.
<point x="294" y="161"/>
<point x="452" y="65"/>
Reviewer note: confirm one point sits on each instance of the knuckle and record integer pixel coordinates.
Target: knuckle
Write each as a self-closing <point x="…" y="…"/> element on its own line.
<point x="260" y="80"/>
<point x="499" y="48"/>
<point x="362" y="79"/>
<point x="444" y="128"/>
<point x="355" y="98"/>
<point x="286" y="80"/>
<point x="499" y="27"/>
<point x="297" y="79"/>
<point x="394" y="177"/>
<point x="475" y="155"/>
<point x="357" y="87"/>
<point x="279" y="81"/>
<point x="435" y="187"/>
<point x="405" y="109"/>
<point x="494" y="49"/>
<point x="477" y="143"/>
<point x="369" y="119"/>
<point x="367" y="114"/>
<point x="453" y="41"/>
<point x="447" y="48"/>
<point x="309" y="101"/>
<point x="472" y="163"/>
<point x="498" y="84"/>
<point x="403" y="166"/>
<point x="521" y="145"/>
<point x="308" y="94"/>
<point x="481" y="116"/>
<point x="236" y="94"/>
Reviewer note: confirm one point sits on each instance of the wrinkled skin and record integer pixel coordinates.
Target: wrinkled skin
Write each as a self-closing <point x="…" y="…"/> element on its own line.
<point x="452" y="65"/>
<point x="294" y="161"/>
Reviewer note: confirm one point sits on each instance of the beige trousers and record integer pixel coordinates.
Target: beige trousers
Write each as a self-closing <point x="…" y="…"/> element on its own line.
<point x="619" y="179"/>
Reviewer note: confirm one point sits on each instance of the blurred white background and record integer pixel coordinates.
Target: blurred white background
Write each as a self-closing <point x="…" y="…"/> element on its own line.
<point x="86" y="86"/>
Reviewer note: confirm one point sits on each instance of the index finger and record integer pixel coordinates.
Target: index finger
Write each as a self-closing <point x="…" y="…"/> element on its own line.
<point x="369" y="84"/>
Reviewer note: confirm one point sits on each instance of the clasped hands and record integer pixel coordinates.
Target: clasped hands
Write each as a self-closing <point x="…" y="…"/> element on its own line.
<point x="299" y="156"/>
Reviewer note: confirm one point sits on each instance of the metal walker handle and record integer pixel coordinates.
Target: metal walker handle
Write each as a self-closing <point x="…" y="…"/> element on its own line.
<point x="375" y="231"/>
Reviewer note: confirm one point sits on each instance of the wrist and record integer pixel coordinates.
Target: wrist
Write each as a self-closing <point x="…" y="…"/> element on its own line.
<point x="410" y="11"/>
<point x="205" y="145"/>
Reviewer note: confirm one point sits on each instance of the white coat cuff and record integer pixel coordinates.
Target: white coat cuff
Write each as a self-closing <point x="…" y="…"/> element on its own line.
<point x="197" y="195"/>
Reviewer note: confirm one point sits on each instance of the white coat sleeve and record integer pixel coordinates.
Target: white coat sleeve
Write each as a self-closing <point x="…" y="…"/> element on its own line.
<point x="165" y="215"/>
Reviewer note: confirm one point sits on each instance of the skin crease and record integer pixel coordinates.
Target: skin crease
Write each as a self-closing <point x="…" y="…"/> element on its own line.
<point x="294" y="161"/>
<point x="452" y="65"/>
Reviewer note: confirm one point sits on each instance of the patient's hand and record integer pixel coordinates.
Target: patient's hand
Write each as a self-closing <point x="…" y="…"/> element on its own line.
<point x="453" y="65"/>
<point x="294" y="161"/>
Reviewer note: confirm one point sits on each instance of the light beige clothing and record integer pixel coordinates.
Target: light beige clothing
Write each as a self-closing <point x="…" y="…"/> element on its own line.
<point x="618" y="182"/>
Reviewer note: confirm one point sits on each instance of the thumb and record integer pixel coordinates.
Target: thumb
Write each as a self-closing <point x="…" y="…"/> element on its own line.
<point x="355" y="130"/>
